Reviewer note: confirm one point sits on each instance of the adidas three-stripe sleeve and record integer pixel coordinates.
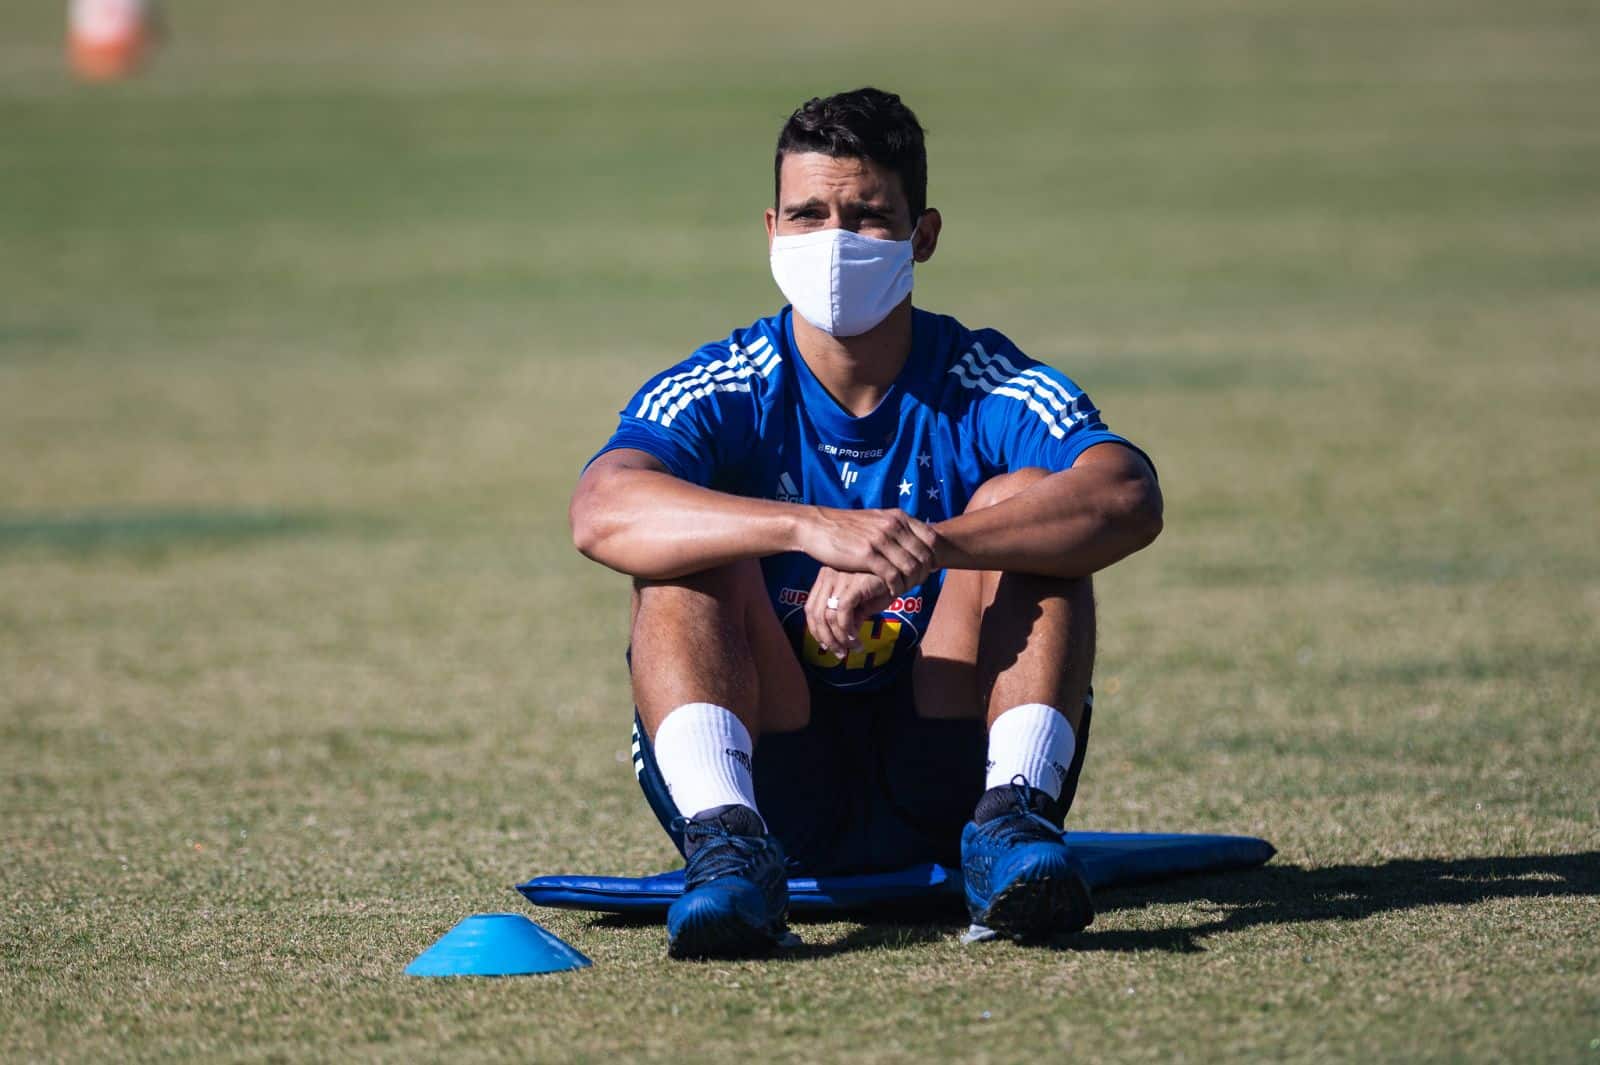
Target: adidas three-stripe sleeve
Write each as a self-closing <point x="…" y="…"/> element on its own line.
<point x="699" y="416"/>
<point x="1028" y="413"/>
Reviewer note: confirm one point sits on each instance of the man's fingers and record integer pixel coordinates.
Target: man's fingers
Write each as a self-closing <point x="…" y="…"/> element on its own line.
<point x="844" y="637"/>
<point x="910" y="546"/>
<point x="858" y="618"/>
<point x="815" y="618"/>
<point x="868" y="601"/>
<point x="844" y="623"/>
<point x="903" y="568"/>
<point x="920" y="553"/>
<point x="859" y="596"/>
<point x="888" y="571"/>
<point x="926" y="538"/>
<point x="824" y="623"/>
<point x="924" y="533"/>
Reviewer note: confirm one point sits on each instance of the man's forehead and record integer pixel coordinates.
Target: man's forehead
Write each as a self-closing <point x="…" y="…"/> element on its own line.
<point x="814" y="175"/>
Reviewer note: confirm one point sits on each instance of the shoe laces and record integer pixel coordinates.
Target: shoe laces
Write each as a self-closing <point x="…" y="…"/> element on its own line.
<point x="1021" y="824"/>
<point x="719" y="852"/>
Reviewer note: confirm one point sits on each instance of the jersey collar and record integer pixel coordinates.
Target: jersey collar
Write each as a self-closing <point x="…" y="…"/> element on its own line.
<point x="878" y="426"/>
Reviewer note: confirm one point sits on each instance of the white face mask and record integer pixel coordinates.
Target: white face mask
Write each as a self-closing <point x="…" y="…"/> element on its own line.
<point x="841" y="282"/>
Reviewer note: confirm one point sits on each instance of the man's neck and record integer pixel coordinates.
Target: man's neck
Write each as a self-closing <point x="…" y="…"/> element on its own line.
<point x="857" y="371"/>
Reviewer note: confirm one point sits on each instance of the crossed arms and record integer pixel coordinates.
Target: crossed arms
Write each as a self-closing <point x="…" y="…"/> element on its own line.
<point x="632" y="515"/>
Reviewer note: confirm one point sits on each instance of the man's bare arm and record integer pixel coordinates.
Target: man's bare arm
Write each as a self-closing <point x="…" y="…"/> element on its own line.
<point x="631" y="514"/>
<point x="1070" y="524"/>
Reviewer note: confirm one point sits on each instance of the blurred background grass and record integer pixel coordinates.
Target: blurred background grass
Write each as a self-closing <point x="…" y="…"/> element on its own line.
<point x="305" y="334"/>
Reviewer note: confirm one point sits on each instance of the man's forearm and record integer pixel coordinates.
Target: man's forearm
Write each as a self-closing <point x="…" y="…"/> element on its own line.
<point x="651" y="524"/>
<point x="1069" y="524"/>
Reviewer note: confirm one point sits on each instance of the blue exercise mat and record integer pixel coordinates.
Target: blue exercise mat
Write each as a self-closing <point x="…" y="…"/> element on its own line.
<point x="1110" y="859"/>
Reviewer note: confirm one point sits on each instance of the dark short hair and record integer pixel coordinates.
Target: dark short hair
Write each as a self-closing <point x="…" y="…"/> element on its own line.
<point x="864" y="124"/>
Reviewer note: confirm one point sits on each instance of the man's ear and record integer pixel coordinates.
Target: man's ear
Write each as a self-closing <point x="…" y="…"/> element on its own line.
<point x="926" y="239"/>
<point x="771" y="215"/>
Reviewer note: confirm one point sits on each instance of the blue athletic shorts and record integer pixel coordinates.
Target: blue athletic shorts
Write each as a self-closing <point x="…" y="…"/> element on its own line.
<point x="866" y="786"/>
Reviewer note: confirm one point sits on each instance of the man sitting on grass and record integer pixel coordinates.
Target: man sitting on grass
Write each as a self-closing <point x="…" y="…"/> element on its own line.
<point x="861" y="537"/>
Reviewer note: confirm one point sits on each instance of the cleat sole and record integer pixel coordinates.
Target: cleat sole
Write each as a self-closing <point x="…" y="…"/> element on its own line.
<point x="718" y="933"/>
<point x="1033" y="909"/>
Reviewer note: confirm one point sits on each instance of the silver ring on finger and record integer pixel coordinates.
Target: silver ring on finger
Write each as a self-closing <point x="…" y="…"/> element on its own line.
<point x="833" y="602"/>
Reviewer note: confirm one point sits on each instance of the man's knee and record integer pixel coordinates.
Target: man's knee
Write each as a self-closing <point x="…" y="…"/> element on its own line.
<point x="731" y="585"/>
<point x="1003" y="486"/>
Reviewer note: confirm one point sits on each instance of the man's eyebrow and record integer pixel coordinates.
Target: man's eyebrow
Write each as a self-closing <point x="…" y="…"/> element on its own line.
<point x="859" y="206"/>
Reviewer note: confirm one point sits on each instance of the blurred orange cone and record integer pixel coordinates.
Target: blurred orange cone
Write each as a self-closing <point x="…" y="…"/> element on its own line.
<point x="109" y="39"/>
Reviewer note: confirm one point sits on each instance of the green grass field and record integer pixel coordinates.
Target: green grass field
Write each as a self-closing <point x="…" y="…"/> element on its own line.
<point x="305" y="335"/>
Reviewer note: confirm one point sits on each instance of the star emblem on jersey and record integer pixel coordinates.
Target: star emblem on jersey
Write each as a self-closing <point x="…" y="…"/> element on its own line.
<point x="924" y="460"/>
<point x="905" y="487"/>
<point x="933" y="493"/>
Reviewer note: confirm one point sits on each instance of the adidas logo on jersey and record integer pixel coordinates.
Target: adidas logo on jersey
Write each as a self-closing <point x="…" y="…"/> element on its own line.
<point x="787" y="492"/>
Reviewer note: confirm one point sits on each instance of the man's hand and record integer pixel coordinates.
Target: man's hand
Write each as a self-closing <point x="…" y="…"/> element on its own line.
<point x="859" y="596"/>
<point x="887" y="544"/>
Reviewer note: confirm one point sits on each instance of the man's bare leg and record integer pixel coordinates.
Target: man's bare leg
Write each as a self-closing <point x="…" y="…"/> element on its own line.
<point x="712" y="637"/>
<point x="712" y="671"/>
<point x="1018" y="651"/>
<point x="1001" y="640"/>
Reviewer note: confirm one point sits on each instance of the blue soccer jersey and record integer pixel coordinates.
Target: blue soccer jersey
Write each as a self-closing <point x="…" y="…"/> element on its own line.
<point x="746" y="416"/>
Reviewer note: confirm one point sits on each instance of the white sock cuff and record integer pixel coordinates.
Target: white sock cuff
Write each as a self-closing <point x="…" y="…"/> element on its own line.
<point x="1035" y="742"/>
<point x="705" y="755"/>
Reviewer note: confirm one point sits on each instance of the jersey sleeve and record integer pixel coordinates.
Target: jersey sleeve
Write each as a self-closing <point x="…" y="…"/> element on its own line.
<point x="1030" y="414"/>
<point x="697" y="418"/>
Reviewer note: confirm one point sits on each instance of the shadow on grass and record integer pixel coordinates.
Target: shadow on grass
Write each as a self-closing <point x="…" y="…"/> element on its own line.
<point x="1271" y="895"/>
<point x="907" y="925"/>
<point x="877" y="931"/>
<point x="153" y="530"/>
<point x="1289" y="894"/>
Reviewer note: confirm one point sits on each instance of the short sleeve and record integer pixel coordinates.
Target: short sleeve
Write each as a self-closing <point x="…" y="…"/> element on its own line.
<point x="695" y="418"/>
<point x="1031" y="414"/>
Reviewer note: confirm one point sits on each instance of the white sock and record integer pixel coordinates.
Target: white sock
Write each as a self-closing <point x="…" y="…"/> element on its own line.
<point x="1032" y="741"/>
<point x="704" y="753"/>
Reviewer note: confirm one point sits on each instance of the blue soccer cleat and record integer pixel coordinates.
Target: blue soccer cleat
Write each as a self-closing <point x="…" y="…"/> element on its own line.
<point x="735" y="901"/>
<point x="1022" y="880"/>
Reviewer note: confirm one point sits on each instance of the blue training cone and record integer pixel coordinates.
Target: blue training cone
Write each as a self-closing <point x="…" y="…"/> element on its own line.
<point x="496" y="944"/>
